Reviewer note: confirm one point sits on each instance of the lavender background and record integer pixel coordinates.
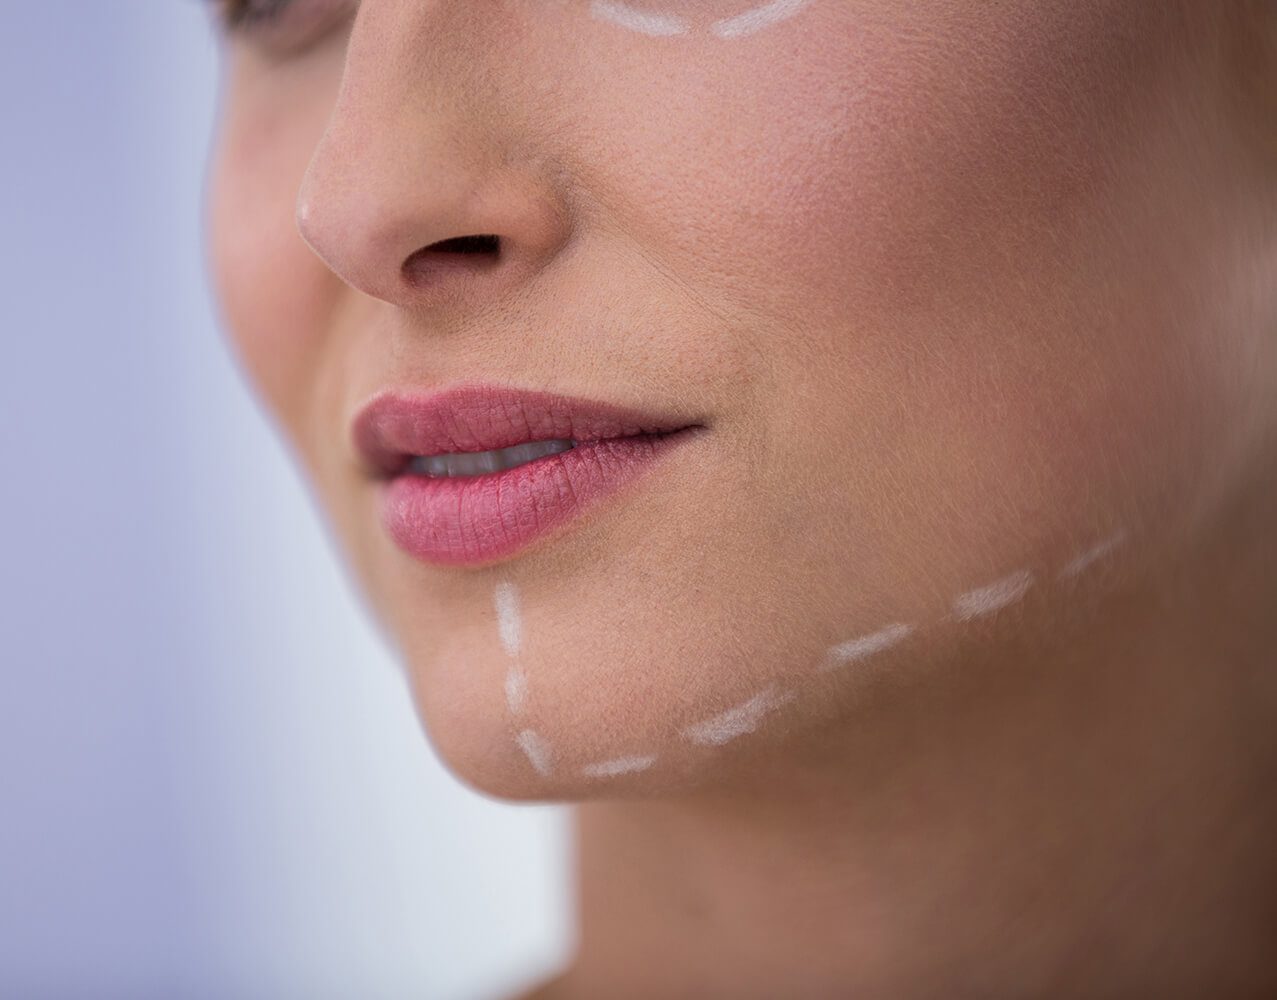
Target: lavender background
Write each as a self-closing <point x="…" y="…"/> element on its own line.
<point x="212" y="783"/>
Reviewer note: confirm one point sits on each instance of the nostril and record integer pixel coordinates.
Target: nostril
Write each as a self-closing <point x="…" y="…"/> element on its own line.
<point x="460" y="252"/>
<point x="466" y="244"/>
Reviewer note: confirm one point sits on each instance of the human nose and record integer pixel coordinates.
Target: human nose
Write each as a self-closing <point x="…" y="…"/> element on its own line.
<point x="421" y="189"/>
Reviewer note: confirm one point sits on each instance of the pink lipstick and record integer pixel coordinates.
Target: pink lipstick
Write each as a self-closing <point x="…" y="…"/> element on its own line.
<point x="476" y="473"/>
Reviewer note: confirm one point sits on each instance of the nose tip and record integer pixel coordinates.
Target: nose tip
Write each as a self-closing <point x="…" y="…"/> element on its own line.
<point x="415" y="230"/>
<point x="424" y="186"/>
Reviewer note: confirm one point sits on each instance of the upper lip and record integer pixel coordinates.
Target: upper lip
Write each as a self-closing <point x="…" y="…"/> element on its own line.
<point x="394" y="426"/>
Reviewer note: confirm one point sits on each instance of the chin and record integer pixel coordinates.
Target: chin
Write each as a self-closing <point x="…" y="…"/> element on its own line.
<point x="599" y="714"/>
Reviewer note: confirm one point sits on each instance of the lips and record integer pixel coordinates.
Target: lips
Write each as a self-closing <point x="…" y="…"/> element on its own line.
<point x="479" y="519"/>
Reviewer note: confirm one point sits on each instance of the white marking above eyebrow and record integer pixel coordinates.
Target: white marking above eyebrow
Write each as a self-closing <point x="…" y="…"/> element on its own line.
<point x="993" y="596"/>
<point x="865" y="645"/>
<point x="516" y="689"/>
<point x="507" y="601"/>
<point x="623" y="14"/>
<point x="536" y="750"/>
<point x="1094" y="552"/>
<point x="618" y="765"/>
<point x="736" y="721"/>
<point x="757" y="19"/>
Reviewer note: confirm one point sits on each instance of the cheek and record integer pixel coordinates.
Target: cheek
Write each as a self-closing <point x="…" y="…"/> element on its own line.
<point x="978" y="321"/>
<point x="276" y="297"/>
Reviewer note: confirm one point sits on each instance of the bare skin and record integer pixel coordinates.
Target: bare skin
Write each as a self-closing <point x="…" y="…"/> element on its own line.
<point x="957" y="289"/>
<point x="1102" y="826"/>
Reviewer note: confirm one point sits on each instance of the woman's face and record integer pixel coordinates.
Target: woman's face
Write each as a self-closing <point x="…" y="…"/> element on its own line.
<point x="961" y="295"/>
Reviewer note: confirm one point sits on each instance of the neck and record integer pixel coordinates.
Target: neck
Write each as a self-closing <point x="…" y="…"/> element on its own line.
<point x="1091" y="818"/>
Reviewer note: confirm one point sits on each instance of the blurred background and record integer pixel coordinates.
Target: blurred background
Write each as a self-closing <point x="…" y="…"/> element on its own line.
<point x="212" y="781"/>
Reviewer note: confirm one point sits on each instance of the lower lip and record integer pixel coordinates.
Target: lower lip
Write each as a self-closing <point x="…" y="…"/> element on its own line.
<point x="474" y="520"/>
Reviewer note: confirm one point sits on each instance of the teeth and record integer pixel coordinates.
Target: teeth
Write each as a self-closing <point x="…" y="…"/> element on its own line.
<point x="476" y="463"/>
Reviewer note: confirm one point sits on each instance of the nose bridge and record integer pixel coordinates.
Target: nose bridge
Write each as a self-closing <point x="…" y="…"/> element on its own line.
<point x="416" y="151"/>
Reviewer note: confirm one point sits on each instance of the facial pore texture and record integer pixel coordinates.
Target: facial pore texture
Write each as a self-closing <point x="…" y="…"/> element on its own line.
<point x="971" y="295"/>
